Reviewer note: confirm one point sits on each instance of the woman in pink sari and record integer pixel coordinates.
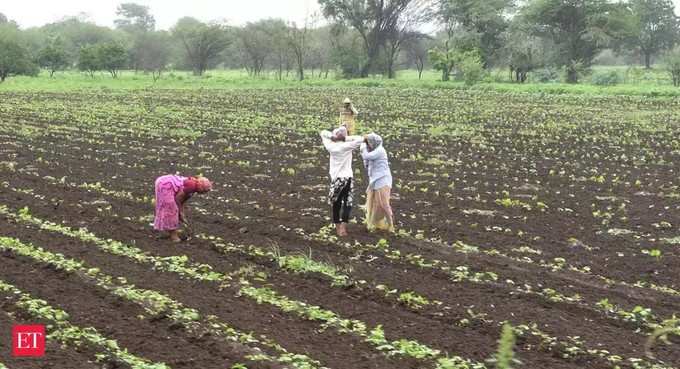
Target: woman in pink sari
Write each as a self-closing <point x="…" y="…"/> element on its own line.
<point x="172" y="193"/>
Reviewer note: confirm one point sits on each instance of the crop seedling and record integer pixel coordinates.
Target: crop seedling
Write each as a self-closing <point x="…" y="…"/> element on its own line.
<point x="505" y="355"/>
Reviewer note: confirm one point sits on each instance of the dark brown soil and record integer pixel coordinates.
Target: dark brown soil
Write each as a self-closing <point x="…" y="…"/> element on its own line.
<point x="254" y="201"/>
<point x="55" y="356"/>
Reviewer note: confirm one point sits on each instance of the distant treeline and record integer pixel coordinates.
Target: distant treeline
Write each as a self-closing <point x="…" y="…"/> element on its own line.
<point x="551" y="39"/>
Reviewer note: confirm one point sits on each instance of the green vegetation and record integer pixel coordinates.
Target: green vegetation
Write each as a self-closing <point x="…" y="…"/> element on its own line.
<point x="505" y="356"/>
<point x="215" y="79"/>
<point x="672" y="65"/>
<point x="64" y="332"/>
<point x="14" y="59"/>
<point x="466" y="41"/>
<point x="109" y="57"/>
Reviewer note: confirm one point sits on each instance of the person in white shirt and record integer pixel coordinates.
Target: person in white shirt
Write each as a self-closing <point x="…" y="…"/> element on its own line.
<point x="341" y="194"/>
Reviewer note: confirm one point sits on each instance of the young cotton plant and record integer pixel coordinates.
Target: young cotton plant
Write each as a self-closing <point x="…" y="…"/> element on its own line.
<point x="155" y="304"/>
<point x="667" y="328"/>
<point x="505" y="355"/>
<point x="413" y="300"/>
<point x="66" y="333"/>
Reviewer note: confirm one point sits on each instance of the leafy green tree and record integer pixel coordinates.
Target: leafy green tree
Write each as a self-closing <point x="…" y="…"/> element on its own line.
<point x="135" y="18"/>
<point x="523" y="52"/>
<point x="202" y="43"/>
<point x="522" y="62"/>
<point x="484" y="21"/>
<point x="299" y="39"/>
<point x="88" y="60"/>
<point x="417" y="53"/>
<point x="275" y="32"/>
<point x="672" y="64"/>
<point x="405" y="30"/>
<point x="579" y="29"/>
<point x="15" y="60"/>
<point x="76" y="33"/>
<point x="154" y="53"/>
<point x="468" y="63"/>
<point x="653" y="28"/>
<point x="112" y="57"/>
<point x="255" y="45"/>
<point x="346" y="50"/>
<point x="53" y="57"/>
<point x="321" y="48"/>
<point x="136" y="22"/>
<point x="374" y="20"/>
<point x="443" y="60"/>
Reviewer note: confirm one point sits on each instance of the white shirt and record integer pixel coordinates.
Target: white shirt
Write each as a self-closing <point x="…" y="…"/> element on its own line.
<point x="340" y="165"/>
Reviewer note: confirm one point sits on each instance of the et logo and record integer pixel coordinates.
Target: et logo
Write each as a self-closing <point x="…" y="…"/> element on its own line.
<point x="28" y="340"/>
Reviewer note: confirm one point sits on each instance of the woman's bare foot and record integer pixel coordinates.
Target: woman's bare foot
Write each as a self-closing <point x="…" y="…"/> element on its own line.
<point x="343" y="229"/>
<point x="338" y="229"/>
<point x="174" y="236"/>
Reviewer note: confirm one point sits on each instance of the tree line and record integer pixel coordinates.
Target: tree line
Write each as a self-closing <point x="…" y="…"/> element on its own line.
<point x="362" y="38"/>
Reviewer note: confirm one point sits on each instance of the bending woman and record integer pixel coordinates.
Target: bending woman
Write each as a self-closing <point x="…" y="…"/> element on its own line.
<point x="378" y="209"/>
<point x="341" y="194"/>
<point x="172" y="193"/>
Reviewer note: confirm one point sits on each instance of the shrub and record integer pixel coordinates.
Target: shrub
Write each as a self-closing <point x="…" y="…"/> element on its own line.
<point x="672" y="64"/>
<point x="465" y="65"/>
<point x="634" y="75"/>
<point x="610" y="78"/>
<point x="545" y="75"/>
<point x="471" y="67"/>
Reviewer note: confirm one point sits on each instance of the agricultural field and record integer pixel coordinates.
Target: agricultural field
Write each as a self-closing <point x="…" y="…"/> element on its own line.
<point x="558" y="214"/>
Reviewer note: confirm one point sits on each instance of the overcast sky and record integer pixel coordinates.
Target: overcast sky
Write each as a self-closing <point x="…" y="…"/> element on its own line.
<point x="29" y="13"/>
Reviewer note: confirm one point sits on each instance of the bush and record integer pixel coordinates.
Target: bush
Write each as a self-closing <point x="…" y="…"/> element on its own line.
<point x="499" y="76"/>
<point x="672" y="64"/>
<point x="545" y="75"/>
<point x="471" y="67"/>
<point x="610" y="78"/>
<point x="634" y="75"/>
<point x="110" y="57"/>
<point x="349" y="60"/>
<point x="573" y="71"/>
<point x="464" y="65"/>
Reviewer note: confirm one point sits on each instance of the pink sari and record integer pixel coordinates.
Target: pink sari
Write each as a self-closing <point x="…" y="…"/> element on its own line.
<point x="167" y="210"/>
